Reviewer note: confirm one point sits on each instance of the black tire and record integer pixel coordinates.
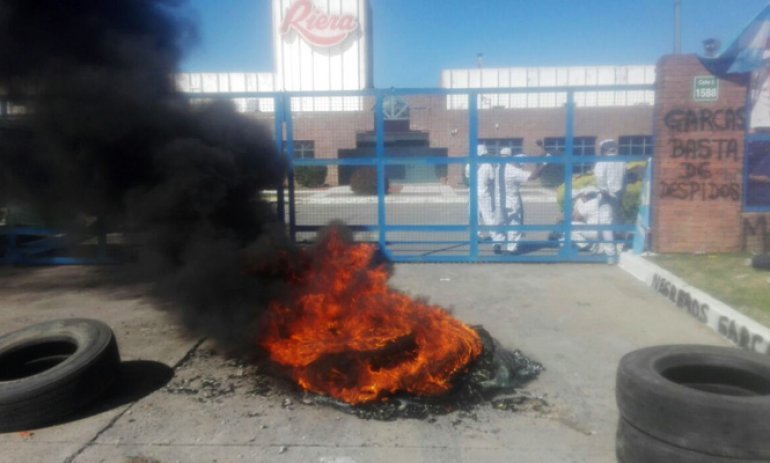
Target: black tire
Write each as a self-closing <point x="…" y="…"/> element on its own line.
<point x="761" y="262"/>
<point x="712" y="400"/>
<point x="634" y="446"/>
<point x="50" y="370"/>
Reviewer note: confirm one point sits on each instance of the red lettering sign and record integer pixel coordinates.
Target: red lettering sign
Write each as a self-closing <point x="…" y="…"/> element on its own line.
<point x="316" y="27"/>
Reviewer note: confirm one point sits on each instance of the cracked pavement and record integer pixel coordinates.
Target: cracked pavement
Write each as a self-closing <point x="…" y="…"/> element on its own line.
<point x="184" y="400"/>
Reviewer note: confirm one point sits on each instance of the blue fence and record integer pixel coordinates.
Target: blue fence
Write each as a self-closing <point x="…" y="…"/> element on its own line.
<point x="443" y="227"/>
<point x="31" y="245"/>
<point x="426" y="240"/>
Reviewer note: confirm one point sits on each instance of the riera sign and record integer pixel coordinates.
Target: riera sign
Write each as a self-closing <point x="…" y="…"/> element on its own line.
<point x="316" y="27"/>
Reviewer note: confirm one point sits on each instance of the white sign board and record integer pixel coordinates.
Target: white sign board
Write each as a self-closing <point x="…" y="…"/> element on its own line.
<point x="322" y="45"/>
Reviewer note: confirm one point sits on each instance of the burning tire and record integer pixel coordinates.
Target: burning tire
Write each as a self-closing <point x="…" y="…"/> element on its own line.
<point x="704" y="399"/>
<point x="634" y="446"/>
<point x="761" y="262"/>
<point x="50" y="370"/>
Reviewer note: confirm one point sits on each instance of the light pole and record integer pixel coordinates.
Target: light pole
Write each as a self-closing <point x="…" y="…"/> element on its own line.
<point x="677" y="27"/>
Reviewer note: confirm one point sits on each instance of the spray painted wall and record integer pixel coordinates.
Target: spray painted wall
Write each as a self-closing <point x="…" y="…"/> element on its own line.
<point x="700" y="125"/>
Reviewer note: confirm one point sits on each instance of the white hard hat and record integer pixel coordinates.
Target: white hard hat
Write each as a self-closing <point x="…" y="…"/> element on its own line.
<point x="481" y="150"/>
<point x="505" y="151"/>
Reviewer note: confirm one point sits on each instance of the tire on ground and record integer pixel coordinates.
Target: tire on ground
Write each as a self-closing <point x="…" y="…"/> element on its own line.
<point x="761" y="262"/>
<point x="50" y="370"/>
<point x="712" y="400"/>
<point x="634" y="446"/>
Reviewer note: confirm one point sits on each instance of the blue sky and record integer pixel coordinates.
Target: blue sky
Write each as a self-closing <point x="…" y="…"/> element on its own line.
<point x="415" y="39"/>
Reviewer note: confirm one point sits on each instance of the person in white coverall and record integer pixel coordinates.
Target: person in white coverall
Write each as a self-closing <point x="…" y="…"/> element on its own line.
<point x="487" y="198"/>
<point x="610" y="180"/>
<point x="585" y="211"/>
<point x="511" y="176"/>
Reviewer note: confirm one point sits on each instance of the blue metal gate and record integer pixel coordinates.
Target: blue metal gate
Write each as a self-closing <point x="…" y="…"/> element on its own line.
<point x="430" y="230"/>
<point x="430" y="219"/>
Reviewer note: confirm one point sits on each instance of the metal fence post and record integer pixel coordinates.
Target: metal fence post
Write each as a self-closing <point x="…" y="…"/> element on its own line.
<point x="278" y="127"/>
<point x="289" y="125"/>
<point x="379" y="128"/>
<point x="473" y="195"/>
<point x="568" y="168"/>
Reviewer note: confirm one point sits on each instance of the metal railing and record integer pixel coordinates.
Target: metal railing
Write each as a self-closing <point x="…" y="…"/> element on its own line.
<point x="405" y="231"/>
<point x="462" y="243"/>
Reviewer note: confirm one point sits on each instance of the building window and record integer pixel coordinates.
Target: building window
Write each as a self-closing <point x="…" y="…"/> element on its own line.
<point x="494" y="145"/>
<point x="758" y="176"/>
<point x="639" y="145"/>
<point x="304" y="149"/>
<point x="554" y="145"/>
<point x="581" y="146"/>
<point x="584" y="146"/>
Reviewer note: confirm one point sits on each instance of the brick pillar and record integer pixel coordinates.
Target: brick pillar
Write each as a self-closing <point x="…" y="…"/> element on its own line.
<point x="699" y="154"/>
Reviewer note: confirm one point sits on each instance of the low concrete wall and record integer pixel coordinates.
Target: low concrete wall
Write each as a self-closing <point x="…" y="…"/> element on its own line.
<point x="720" y="317"/>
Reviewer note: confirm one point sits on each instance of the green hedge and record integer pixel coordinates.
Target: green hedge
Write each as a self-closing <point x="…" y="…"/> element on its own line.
<point x="310" y="176"/>
<point x="364" y="181"/>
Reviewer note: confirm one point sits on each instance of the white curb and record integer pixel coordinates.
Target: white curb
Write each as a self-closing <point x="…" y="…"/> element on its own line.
<point x="728" y="322"/>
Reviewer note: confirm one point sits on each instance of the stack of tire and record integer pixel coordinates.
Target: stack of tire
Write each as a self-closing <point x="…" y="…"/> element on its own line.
<point x="693" y="404"/>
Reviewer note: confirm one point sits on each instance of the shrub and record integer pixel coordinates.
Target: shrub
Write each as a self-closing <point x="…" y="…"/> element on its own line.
<point x="310" y="176"/>
<point x="578" y="182"/>
<point x="631" y="200"/>
<point x="364" y="181"/>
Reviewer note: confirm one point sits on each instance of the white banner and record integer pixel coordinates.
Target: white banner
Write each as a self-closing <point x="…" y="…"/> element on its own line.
<point x="760" y="99"/>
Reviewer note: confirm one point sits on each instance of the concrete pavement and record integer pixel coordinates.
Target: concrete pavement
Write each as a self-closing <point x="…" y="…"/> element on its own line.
<point x="577" y="320"/>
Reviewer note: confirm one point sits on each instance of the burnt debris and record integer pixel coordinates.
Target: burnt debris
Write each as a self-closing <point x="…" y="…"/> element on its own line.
<point x="494" y="377"/>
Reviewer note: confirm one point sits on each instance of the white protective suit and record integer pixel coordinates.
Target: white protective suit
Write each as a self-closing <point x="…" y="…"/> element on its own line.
<point x="585" y="211"/>
<point x="488" y="202"/>
<point x="512" y="175"/>
<point x="610" y="179"/>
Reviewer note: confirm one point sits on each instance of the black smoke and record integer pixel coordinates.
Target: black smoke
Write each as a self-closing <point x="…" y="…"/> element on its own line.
<point x="105" y="135"/>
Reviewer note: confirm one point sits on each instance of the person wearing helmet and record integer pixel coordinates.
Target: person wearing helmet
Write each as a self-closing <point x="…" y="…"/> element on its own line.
<point x="610" y="180"/>
<point x="512" y="175"/>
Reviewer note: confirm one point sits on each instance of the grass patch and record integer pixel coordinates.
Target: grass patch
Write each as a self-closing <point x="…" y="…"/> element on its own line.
<point x="727" y="277"/>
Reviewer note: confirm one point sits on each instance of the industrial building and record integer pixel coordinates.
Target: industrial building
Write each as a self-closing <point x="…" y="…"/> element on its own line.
<point x="334" y="127"/>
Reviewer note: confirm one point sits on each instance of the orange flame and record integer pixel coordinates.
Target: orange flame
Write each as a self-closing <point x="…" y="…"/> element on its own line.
<point x="349" y="336"/>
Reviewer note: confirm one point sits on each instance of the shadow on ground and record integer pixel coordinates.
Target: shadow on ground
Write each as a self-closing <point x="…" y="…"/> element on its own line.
<point x="136" y="379"/>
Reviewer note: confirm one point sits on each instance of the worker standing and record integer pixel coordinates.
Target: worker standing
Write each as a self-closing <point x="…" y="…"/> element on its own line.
<point x="610" y="179"/>
<point x="487" y="198"/>
<point x="512" y="175"/>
